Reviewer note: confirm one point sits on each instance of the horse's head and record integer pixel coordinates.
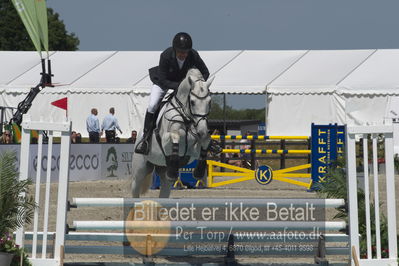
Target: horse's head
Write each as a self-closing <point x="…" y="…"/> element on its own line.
<point x="198" y="95"/>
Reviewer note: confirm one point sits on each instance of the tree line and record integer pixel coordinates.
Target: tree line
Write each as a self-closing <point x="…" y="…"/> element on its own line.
<point x="14" y="37"/>
<point x="234" y="114"/>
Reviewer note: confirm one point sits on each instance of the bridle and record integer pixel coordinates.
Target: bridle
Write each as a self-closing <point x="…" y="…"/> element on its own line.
<point x="189" y="118"/>
<point x="200" y="98"/>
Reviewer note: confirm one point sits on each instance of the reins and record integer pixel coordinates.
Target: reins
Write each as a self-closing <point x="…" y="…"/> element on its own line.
<point x="185" y="113"/>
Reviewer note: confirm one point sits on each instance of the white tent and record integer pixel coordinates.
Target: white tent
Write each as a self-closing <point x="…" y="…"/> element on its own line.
<point x="89" y="79"/>
<point x="371" y="91"/>
<point x="305" y="92"/>
<point x="345" y="86"/>
<point x="301" y="87"/>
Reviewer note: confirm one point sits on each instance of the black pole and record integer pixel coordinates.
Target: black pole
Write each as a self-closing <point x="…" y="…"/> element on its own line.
<point x="224" y="114"/>
<point x="253" y="154"/>
<point x="282" y="156"/>
<point x="223" y="155"/>
<point x="49" y="75"/>
<point x="43" y="79"/>
<point x="2" y="120"/>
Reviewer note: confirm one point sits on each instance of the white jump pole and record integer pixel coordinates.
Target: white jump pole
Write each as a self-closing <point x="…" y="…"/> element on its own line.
<point x="208" y="225"/>
<point x="126" y="202"/>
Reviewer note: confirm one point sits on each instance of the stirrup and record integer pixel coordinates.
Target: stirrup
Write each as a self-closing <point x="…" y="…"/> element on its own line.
<point x="142" y="147"/>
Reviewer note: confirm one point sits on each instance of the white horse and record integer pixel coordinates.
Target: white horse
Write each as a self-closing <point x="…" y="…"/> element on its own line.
<point x="181" y="136"/>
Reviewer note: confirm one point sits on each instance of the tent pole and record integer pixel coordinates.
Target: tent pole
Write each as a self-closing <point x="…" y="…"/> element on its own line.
<point x="224" y="114"/>
<point x="266" y="111"/>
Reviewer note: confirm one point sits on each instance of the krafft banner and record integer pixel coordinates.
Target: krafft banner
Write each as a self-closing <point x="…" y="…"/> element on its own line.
<point x="87" y="161"/>
<point x="327" y="144"/>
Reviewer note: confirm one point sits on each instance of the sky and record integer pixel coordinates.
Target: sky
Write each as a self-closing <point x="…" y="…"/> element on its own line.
<point x="135" y="25"/>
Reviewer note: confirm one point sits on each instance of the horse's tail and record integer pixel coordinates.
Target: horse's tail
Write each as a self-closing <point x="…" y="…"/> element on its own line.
<point x="146" y="183"/>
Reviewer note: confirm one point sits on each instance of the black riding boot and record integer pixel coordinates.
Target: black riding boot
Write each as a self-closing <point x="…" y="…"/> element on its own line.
<point x="143" y="147"/>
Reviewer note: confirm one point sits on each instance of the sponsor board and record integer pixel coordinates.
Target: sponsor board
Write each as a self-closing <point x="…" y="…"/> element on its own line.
<point x="86" y="161"/>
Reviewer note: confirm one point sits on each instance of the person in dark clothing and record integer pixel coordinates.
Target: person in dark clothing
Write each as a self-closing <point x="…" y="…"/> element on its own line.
<point x="173" y="66"/>
<point x="132" y="138"/>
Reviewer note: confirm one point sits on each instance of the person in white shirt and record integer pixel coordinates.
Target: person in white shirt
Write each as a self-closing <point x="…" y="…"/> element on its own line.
<point x="109" y="125"/>
<point x="93" y="126"/>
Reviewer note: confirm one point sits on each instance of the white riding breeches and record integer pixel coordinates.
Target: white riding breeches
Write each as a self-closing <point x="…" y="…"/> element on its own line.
<point x="156" y="97"/>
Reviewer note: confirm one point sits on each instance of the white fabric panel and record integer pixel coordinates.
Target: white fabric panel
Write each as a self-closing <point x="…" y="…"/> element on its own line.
<point x="360" y="110"/>
<point x="10" y="100"/>
<point x="14" y="64"/>
<point x="378" y="75"/>
<point x="67" y="67"/>
<point x="214" y="60"/>
<point x="251" y="71"/>
<point x="392" y="110"/>
<point x="129" y="108"/>
<point x="293" y="115"/>
<point x="318" y="71"/>
<point x="129" y="115"/>
<point x="123" y="69"/>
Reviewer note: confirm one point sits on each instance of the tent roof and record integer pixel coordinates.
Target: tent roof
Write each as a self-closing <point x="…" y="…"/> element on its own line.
<point x="251" y="71"/>
<point x="67" y="66"/>
<point x="215" y="60"/>
<point x="236" y="71"/>
<point x="377" y="75"/>
<point x="15" y="64"/>
<point x="319" y="71"/>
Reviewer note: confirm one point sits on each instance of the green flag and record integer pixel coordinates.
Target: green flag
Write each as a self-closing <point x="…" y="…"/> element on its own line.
<point x="33" y="14"/>
<point x="41" y="14"/>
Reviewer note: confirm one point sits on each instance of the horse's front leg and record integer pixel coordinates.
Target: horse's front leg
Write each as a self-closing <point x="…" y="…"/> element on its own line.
<point x="205" y="140"/>
<point x="172" y="172"/>
<point x="166" y="184"/>
<point x="141" y="175"/>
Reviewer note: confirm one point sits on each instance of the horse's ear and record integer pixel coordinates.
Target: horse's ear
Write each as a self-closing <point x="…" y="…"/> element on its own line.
<point x="209" y="81"/>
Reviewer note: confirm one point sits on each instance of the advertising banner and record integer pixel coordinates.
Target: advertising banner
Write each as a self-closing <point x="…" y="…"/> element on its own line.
<point x="87" y="161"/>
<point x="327" y="145"/>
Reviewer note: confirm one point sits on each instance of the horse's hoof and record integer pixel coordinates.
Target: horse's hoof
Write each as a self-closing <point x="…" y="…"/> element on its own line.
<point x="172" y="175"/>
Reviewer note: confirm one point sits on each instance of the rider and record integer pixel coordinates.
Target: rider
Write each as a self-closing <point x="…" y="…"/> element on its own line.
<point x="174" y="64"/>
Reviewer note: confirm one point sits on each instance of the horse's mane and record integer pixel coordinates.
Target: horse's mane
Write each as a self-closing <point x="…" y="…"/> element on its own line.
<point x="195" y="73"/>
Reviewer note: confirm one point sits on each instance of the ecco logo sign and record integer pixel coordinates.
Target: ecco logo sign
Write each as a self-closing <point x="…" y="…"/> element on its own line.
<point x="79" y="162"/>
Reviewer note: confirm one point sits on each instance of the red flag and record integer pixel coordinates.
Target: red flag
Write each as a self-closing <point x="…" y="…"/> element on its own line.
<point x="61" y="103"/>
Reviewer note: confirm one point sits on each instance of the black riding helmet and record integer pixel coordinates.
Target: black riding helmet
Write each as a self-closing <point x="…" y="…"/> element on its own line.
<point x="182" y="42"/>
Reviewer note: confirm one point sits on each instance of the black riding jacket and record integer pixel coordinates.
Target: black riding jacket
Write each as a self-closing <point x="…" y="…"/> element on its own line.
<point x="168" y="75"/>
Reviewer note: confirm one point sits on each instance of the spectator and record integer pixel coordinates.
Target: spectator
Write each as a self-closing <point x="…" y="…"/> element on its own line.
<point x="233" y="158"/>
<point x="133" y="137"/>
<point x="93" y="126"/>
<point x="6" y="138"/>
<point x="110" y="124"/>
<point x="73" y="137"/>
<point x="236" y="162"/>
<point x="245" y="145"/>
<point x="78" y="138"/>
